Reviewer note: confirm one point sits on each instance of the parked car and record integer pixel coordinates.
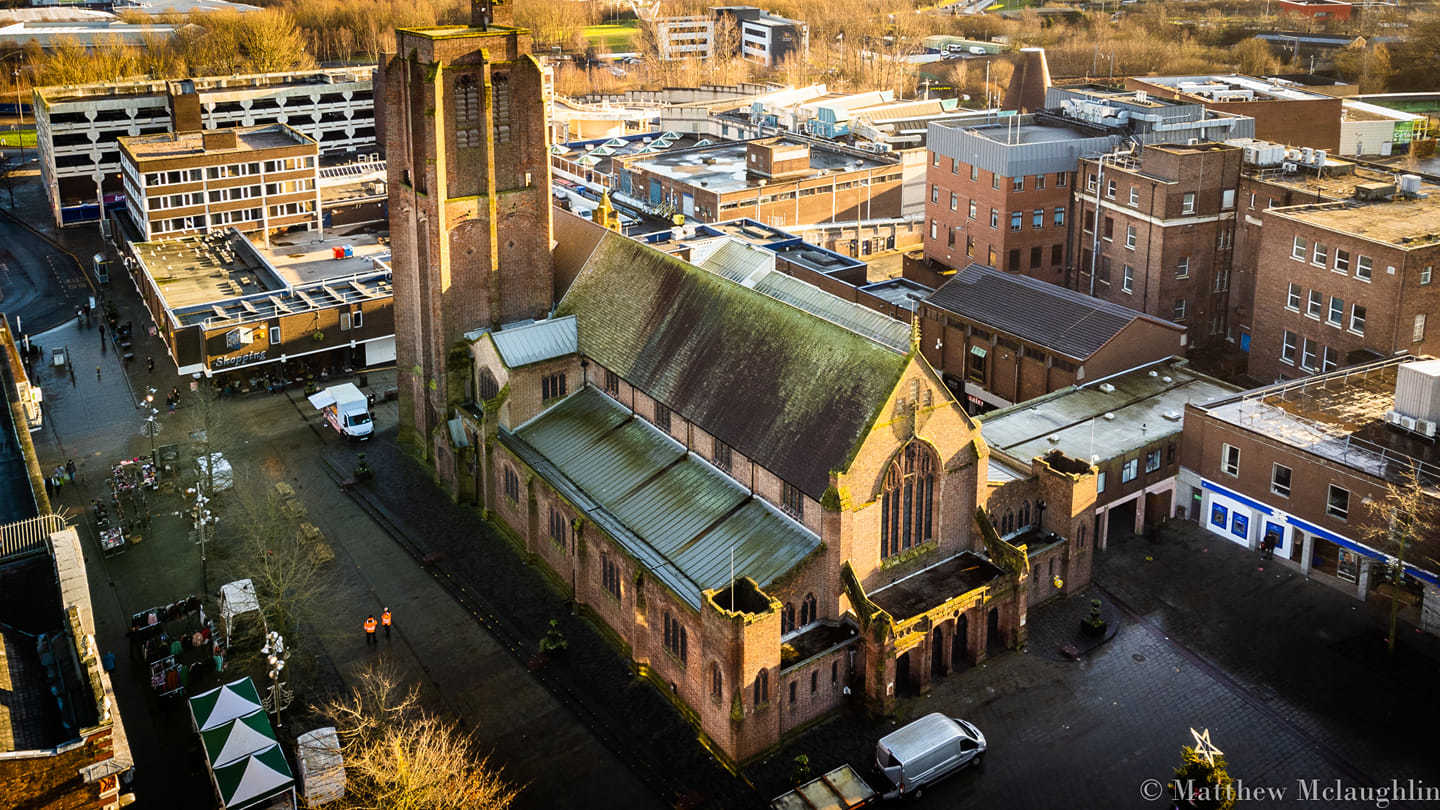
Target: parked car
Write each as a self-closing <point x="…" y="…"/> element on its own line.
<point x="927" y="750"/>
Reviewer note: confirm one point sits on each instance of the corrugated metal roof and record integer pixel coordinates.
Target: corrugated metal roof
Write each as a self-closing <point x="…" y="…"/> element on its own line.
<point x="676" y="514"/>
<point x="533" y="342"/>
<point x="695" y="341"/>
<point x="737" y="261"/>
<point x="1069" y="322"/>
<point x="862" y="320"/>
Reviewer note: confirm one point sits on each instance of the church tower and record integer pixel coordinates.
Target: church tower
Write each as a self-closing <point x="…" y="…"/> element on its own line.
<point x="469" y="182"/>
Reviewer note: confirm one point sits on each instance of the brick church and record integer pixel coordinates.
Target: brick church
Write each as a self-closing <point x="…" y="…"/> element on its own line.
<point x="773" y="505"/>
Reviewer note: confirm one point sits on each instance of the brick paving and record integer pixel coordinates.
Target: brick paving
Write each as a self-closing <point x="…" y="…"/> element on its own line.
<point x="1284" y="704"/>
<point x="515" y="602"/>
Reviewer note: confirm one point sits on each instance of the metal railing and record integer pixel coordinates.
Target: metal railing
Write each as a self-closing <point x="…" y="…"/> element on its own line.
<point x="28" y="537"/>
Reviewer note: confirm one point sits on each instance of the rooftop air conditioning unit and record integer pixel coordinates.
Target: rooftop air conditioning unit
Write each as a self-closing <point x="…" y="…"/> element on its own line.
<point x="1289" y="168"/>
<point x="1410" y="184"/>
<point x="1426" y="427"/>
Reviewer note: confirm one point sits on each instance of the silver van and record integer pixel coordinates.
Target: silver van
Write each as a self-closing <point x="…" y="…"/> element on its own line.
<point x="924" y="752"/>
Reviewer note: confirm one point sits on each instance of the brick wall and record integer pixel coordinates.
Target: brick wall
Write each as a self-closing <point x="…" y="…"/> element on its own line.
<point x="1391" y="299"/>
<point x="53" y="781"/>
<point x="975" y="240"/>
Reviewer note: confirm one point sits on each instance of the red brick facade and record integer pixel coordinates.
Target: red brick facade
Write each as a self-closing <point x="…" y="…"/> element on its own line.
<point x="1306" y="316"/>
<point x="739" y="680"/>
<point x="469" y="189"/>
<point x="1017" y="224"/>
<point x="1166" y="233"/>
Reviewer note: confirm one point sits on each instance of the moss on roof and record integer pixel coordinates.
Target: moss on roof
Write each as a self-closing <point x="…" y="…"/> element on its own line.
<point x="792" y="391"/>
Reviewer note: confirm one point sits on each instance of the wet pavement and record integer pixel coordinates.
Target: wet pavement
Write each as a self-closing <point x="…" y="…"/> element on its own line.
<point x="1287" y="675"/>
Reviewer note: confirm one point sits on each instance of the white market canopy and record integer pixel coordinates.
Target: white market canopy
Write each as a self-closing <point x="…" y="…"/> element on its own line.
<point x="254" y="780"/>
<point x="236" y="598"/>
<point x="223" y="704"/>
<point x="238" y="739"/>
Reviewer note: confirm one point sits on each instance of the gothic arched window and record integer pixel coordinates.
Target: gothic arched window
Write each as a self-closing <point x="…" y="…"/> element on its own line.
<point x="907" y="500"/>
<point x="1024" y="515"/>
<point x="787" y="618"/>
<point x="487" y="386"/>
<point x="807" y="610"/>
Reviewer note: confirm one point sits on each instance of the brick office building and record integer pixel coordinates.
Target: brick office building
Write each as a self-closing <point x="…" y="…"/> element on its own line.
<point x="1003" y="338"/>
<point x="1282" y="112"/>
<point x="1268" y="181"/>
<point x="778" y="181"/>
<point x="1341" y="282"/>
<point x="258" y="180"/>
<point x="466" y="140"/>
<point x="1166" y="232"/>
<point x="1001" y="193"/>
<point x="1305" y="463"/>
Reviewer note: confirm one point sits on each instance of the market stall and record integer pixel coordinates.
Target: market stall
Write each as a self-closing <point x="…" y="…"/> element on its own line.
<point x="170" y="639"/>
<point x="247" y="767"/>
<point x="237" y="599"/>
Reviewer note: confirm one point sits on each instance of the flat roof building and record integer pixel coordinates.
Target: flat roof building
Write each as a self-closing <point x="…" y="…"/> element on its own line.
<point x="1127" y="425"/>
<point x="256" y="179"/>
<point x="1283" y="111"/>
<point x="775" y="180"/>
<point x="1304" y="464"/>
<point x="77" y="128"/>
<point x="223" y="304"/>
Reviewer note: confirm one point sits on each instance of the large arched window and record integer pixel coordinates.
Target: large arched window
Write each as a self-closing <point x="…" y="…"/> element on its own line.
<point x="716" y="681"/>
<point x="807" y="610"/>
<point x="907" y="500"/>
<point x="1024" y="515"/>
<point x="487" y="387"/>
<point x="762" y="688"/>
<point x="787" y="617"/>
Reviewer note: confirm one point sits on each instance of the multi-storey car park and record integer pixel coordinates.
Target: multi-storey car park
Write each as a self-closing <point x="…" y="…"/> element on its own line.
<point x="78" y="127"/>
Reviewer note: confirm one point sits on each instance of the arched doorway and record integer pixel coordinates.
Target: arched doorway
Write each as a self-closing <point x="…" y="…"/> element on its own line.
<point x="902" y="675"/>
<point x="937" y="653"/>
<point x="960" y="645"/>
<point x="993" y="641"/>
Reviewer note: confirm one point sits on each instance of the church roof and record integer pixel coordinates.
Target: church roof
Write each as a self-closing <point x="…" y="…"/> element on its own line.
<point x="674" y="513"/>
<point x="525" y="343"/>
<point x="791" y="391"/>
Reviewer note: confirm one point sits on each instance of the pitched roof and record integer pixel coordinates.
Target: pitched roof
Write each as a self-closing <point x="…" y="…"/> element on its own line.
<point x="678" y="516"/>
<point x="1070" y="322"/>
<point x="224" y="703"/>
<point x="523" y="344"/>
<point x="792" y="391"/>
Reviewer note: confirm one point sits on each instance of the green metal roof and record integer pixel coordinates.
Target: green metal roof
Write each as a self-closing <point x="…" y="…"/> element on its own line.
<point x="677" y="515"/>
<point x="790" y="390"/>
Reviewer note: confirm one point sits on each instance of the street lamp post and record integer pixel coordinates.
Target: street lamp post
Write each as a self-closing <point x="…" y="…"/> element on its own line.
<point x="275" y="656"/>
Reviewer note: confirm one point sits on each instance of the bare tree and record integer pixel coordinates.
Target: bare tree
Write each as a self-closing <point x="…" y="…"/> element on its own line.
<point x="1398" y="524"/>
<point x="398" y="756"/>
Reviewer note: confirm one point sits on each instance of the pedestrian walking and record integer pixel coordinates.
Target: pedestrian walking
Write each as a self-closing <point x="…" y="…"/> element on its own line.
<point x="97" y="374"/>
<point x="217" y="653"/>
<point x="59" y="476"/>
<point x="70" y="469"/>
<point x="150" y="364"/>
<point x="370" y="629"/>
<point x="102" y="334"/>
<point x="385" y="619"/>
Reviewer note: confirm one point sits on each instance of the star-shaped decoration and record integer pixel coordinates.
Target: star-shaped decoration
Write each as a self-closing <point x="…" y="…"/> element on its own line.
<point x="1205" y="748"/>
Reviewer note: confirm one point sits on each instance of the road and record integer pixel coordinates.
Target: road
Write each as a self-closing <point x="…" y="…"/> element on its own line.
<point x="38" y="287"/>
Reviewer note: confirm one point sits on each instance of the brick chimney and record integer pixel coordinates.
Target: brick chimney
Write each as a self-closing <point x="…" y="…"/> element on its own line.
<point x="485" y="13"/>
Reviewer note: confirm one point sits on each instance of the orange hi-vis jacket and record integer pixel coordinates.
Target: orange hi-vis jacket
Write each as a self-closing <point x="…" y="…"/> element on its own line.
<point x="385" y="618"/>
<point x="370" y="625"/>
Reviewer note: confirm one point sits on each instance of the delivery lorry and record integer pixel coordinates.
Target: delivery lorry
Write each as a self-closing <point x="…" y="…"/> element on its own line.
<point x="347" y="410"/>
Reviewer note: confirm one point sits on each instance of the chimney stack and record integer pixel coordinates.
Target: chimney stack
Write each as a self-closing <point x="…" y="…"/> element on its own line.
<point x="485" y="13"/>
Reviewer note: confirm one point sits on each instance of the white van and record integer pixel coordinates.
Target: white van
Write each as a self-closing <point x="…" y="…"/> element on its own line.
<point x="346" y="409"/>
<point x="916" y="756"/>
